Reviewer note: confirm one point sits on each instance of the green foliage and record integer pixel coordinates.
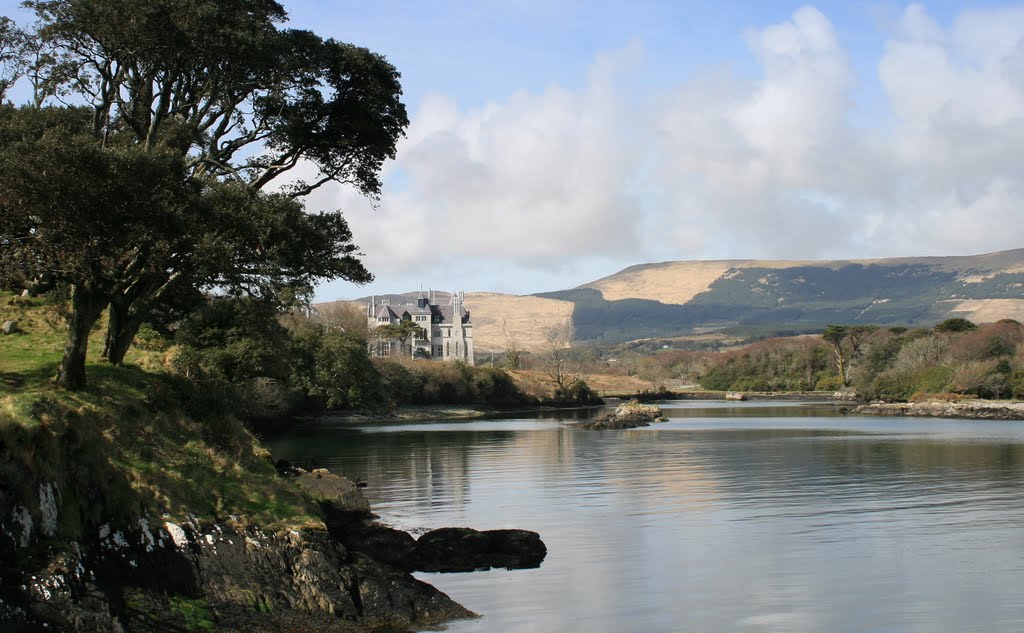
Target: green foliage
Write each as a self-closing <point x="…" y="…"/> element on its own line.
<point x="237" y="339"/>
<point x="578" y="393"/>
<point x="90" y="214"/>
<point x="981" y="362"/>
<point x="333" y="367"/>
<point x="879" y="357"/>
<point x="150" y="339"/>
<point x="194" y="613"/>
<point x="890" y="385"/>
<point x="935" y="379"/>
<point x="429" y="382"/>
<point x="955" y="325"/>
<point x="247" y="98"/>
<point x="772" y="365"/>
<point x="1015" y="384"/>
<point x="829" y="383"/>
<point x="127" y="445"/>
<point x="998" y="346"/>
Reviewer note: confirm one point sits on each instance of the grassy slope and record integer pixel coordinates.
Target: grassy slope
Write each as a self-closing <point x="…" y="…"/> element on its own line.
<point x="133" y="443"/>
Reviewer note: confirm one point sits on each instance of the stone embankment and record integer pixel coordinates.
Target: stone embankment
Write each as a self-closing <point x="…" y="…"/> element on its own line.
<point x="972" y="410"/>
<point x="163" y="574"/>
<point x="628" y="415"/>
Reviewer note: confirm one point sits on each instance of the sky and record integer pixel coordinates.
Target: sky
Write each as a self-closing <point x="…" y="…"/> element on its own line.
<point x="554" y="142"/>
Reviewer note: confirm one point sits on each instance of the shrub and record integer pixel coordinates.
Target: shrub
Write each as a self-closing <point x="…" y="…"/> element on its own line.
<point x="578" y="393"/>
<point x="919" y="353"/>
<point x="430" y="382"/>
<point x="982" y="379"/>
<point x="336" y="369"/>
<point x="891" y="385"/>
<point x="149" y="339"/>
<point x="879" y="357"/>
<point x="830" y="383"/>
<point x="998" y="346"/>
<point x="932" y="379"/>
<point x="955" y="325"/>
<point x="1015" y="383"/>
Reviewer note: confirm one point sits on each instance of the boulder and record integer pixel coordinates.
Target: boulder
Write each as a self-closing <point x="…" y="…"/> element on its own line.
<point x="375" y="540"/>
<point x="336" y="493"/>
<point x="9" y="327"/>
<point x="455" y="549"/>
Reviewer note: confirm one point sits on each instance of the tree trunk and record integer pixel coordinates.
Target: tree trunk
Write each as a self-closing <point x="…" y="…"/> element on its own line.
<point x="121" y="330"/>
<point x="86" y="307"/>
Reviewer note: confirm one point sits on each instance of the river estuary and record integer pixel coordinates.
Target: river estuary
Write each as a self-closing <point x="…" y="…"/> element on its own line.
<point x="729" y="517"/>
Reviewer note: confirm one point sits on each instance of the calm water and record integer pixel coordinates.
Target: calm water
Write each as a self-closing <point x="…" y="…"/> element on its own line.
<point x="729" y="517"/>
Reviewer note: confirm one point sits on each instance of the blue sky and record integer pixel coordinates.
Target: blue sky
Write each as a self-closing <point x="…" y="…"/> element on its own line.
<point x="555" y="142"/>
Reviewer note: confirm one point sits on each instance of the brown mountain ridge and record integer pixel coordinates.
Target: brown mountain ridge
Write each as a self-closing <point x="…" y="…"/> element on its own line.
<point x="679" y="298"/>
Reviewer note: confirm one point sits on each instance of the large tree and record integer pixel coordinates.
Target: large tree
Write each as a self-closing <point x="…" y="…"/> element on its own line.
<point x="240" y="101"/>
<point x="91" y="215"/>
<point x="242" y="241"/>
<point x="838" y="336"/>
<point x="247" y="100"/>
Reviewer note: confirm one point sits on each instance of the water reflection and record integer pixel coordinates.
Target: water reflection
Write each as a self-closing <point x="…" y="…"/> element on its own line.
<point x="745" y="522"/>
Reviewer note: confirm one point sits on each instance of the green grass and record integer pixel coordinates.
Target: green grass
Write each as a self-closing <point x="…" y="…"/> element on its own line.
<point x="193" y="612"/>
<point x="150" y="613"/>
<point x="132" y="443"/>
<point x="28" y="358"/>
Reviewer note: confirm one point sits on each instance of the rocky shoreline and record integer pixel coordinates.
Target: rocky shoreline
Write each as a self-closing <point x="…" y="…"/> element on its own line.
<point x="967" y="410"/>
<point x="341" y="576"/>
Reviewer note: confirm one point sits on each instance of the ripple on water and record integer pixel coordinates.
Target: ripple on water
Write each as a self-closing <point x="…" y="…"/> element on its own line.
<point x="707" y="523"/>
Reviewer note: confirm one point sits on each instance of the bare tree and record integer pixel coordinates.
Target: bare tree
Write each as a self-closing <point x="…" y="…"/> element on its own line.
<point x="513" y="353"/>
<point x="562" y="369"/>
<point x="342" y="317"/>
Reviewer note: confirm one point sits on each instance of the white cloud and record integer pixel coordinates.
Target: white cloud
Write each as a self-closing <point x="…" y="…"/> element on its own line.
<point x="532" y="181"/>
<point x="722" y="165"/>
<point x="775" y="168"/>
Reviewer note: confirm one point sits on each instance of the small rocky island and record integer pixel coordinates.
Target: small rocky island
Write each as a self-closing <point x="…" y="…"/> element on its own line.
<point x="628" y="415"/>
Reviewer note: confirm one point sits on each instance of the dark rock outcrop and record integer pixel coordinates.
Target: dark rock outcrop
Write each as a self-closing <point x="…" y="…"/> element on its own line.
<point x="241" y="579"/>
<point x="450" y="549"/>
<point x="464" y="549"/>
<point x="348" y="574"/>
<point x="362" y="534"/>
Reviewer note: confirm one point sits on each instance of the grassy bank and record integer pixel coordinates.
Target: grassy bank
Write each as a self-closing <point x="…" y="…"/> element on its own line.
<point x="132" y="444"/>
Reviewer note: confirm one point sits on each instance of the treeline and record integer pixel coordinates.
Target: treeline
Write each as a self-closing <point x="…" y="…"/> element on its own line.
<point x="268" y="364"/>
<point x="956" y="357"/>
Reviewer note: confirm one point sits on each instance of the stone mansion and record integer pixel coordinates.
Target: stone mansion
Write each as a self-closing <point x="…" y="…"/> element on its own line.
<point x="448" y="329"/>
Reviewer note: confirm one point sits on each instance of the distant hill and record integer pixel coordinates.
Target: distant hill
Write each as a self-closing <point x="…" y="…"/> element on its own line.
<point x="671" y="299"/>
